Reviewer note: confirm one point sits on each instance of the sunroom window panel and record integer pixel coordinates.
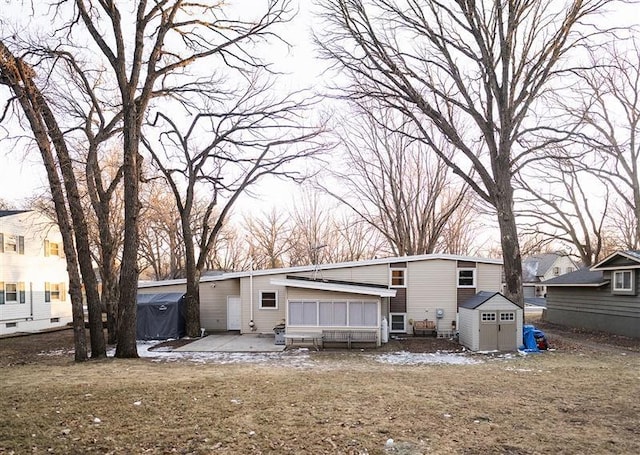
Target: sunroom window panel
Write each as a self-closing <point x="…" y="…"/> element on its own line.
<point x="333" y="313"/>
<point x="356" y="316"/>
<point x="370" y="314"/>
<point x="309" y="313"/>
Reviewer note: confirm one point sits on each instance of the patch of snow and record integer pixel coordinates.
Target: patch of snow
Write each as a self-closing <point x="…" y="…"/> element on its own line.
<point x="299" y="358"/>
<point x="412" y="358"/>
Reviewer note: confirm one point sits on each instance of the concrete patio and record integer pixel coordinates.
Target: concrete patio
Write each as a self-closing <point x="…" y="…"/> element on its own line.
<point x="229" y="342"/>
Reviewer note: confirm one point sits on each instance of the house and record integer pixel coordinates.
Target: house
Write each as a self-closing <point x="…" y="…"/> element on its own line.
<point x="33" y="273"/>
<point x="604" y="297"/>
<point x="490" y="322"/>
<point x="354" y="295"/>
<point x="541" y="267"/>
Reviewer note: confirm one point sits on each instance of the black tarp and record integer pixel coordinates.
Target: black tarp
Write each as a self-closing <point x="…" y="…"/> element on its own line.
<point x="160" y="316"/>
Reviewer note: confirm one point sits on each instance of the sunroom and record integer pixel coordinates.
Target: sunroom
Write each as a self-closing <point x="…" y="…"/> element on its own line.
<point x="330" y="309"/>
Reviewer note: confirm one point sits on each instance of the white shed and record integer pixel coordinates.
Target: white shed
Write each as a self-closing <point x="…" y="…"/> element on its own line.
<point x="489" y="321"/>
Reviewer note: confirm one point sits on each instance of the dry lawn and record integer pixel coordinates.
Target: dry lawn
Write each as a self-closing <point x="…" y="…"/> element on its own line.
<point x="582" y="397"/>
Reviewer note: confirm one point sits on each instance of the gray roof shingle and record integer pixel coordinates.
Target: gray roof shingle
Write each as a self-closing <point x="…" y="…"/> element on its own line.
<point x="582" y="277"/>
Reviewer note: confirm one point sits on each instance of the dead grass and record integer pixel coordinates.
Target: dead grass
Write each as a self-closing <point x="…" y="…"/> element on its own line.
<point x="573" y="400"/>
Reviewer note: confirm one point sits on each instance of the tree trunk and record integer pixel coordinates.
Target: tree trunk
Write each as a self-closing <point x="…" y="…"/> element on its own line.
<point x="512" y="259"/>
<point x="192" y="300"/>
<point x="192" y="304"/>
<point x="18" y="76"/>
<point x="85" y="261"/>
<point x="127" y="304"/>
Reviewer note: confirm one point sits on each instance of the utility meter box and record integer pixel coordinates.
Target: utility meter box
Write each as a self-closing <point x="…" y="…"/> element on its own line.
<point x="439" y="313"/>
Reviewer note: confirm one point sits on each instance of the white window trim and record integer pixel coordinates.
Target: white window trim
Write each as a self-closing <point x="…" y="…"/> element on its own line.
<point x="6" y="298"/>
<point x="404" y="277"/>
<point x="268" y="307"/>
<point x="11" y="240"/>
<point x="614" y="281"/>
<point x="465" y="269"/>
<point x="404" y="316"/>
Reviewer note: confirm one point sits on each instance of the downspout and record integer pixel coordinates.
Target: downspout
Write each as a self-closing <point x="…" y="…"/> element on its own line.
<point x="252" y="324"/>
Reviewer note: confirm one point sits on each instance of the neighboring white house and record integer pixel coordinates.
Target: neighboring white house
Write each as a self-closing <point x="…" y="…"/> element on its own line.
<point x="354" y="295"/>
<point x="33" y="273"/>
<point x="541" y="267"/>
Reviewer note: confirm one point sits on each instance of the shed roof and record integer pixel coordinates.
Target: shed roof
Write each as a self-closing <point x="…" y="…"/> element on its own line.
<point x="480" y="298"/>
<point x="582" y="277"/>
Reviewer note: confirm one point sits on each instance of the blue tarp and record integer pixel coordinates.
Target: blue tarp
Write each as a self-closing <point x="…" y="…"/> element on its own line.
<point x="529" y="339"/>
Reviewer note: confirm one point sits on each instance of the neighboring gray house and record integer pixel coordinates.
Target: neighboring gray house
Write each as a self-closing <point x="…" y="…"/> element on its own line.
<point x="541" y="267"/>
<point x="353" y="295"/>
<point x="603" y="298"/>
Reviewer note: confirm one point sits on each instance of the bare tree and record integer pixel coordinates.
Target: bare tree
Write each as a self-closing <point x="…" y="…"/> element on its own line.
<point x="356" y="240"/>
<point x="462" y="228"/>
<point x="160" y="234"/>
<point x="222" y="154"/>
<point x="563" y="204"/>
<point x="390" y="181"/>
<point x="146" y="61"/>
<point x="609" y="116"/>
<point x="19" y="77"/>
<point x="269" y="237"/>
<point x="473" y="69"/>
<point x="230" y="251"/>
<point x="312" y="235"/>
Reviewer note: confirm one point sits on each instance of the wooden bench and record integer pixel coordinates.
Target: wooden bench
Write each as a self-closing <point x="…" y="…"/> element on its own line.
<point x="350" y="336"/>
<point x="424" y="328"/>
<point x="313" y="339"/>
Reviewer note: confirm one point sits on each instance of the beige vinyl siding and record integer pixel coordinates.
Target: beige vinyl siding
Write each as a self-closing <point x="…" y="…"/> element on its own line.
<point x="213" y="302"/>
<point x="163" y="289"/>
<point x="489" y="277"/>
<point x="264" y="319"/>
<point x="372" y="274"/>
<point x="312" y="294"/>
<point x="431" y="285"/>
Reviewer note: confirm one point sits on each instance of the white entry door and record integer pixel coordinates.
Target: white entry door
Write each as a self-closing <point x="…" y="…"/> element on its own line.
<point x="234" y="312"/>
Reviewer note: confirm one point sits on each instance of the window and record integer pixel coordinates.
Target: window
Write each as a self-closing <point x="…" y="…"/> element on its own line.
<point x="570" y="269"/>
<point x="54" y="249"/>
<point x="488" y="317"/>
<point x="303" y="313"/>
<point x="623" y="281"/>
<point x="398" y="278"/>
<point x="507" y="317"/>
<point x="11" y="244"/>
<point x="333" y="313"/>
<point x="466" y="278"/>
<point x="556" y="271"/>
<point x="269" y="300"/>
<point x="398" y="322"/>
<point x="363" y="314"/>
<point x="11" y="292"/>
<point x="55" y="291"/>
